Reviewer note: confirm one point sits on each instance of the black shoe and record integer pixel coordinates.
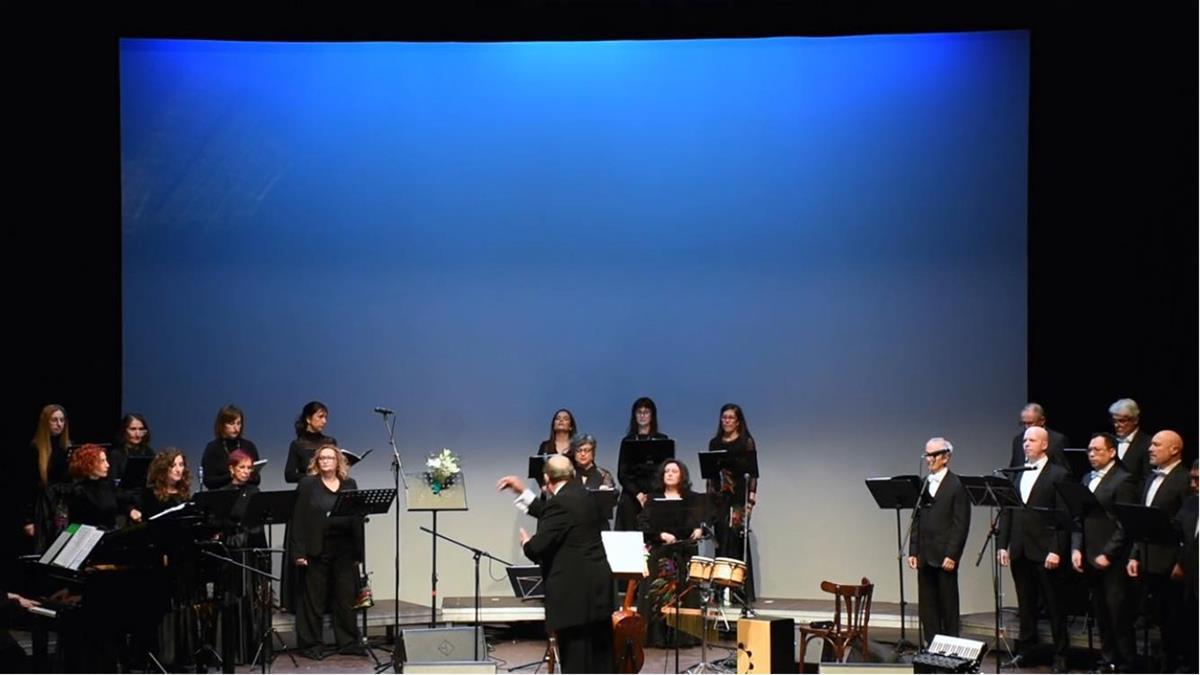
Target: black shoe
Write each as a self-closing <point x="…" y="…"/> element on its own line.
<point x="313" y="653"/>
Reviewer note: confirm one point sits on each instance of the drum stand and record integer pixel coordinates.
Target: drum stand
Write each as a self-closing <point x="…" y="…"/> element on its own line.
<point x="706" y="594"/>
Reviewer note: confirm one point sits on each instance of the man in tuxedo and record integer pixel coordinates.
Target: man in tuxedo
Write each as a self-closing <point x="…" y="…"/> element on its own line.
<point x="939" y="533"/>
<point x="1100" y="550"/>
<point x="1186" y="568"/>
<point x="1033" y="415"/>
<point x="1165" y="488"/>
<point x="1133" y="444"/>
<point x="578" y="580"/>
<point x="1036" y="549"/>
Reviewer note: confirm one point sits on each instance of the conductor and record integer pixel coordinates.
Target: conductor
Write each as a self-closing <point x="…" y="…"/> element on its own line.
<point x="579" y="588"/>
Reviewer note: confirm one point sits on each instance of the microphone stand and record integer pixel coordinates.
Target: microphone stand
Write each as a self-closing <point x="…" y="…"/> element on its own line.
<point x="477" y="554"/>
<point x="397" y="476"/>
<point x="997" y="578"/>
<point x="904" y="644"/>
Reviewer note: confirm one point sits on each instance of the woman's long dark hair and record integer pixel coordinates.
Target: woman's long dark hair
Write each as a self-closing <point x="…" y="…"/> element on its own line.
<point x="643" y="402"/>
<point x="743" y="429"/>
<point x="570" y="415"/>
<point x="311" y="408"/>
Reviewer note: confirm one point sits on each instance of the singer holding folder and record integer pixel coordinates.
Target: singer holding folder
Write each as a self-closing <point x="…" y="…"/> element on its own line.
<point x="941" y="522"/>
<point x="1036" y="551"/>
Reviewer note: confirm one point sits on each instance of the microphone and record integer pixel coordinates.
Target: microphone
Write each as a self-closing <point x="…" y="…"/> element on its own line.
<point x="201" y="470"/>
<point x="1015" y="469"/>
<point x="385" y="411"/>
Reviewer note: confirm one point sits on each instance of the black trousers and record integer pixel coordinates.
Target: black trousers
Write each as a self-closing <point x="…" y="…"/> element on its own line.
<point x="1113" y="612"/>
<point x="1167" y="600"/>
<point x="1035" y="582"/>
<point x="587" y="648"/>
<point x="329" y="583"/>
<point x="937" y="596"/>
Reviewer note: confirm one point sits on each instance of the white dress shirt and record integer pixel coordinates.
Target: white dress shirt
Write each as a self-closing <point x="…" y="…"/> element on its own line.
<point x="1098" y="475"/>
<point x="935" y="481"/>
<point x="1123" y="444"/>
<point x="1030" y="477"/>
<point x="1159" y="476"/>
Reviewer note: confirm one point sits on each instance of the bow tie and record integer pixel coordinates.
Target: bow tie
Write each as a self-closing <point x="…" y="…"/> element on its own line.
<point x="1160" y="472"/>
<point x="1127" y="439"/>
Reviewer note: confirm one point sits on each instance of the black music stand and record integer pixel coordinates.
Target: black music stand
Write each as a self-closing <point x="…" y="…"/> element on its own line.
<point x="1148" y="526"/>
<point x="136" y="468"/>
<point x="478" y="553"/>
<point x="218" y="504"/>
<point x="227" y="639"/>
<point x="744" y="464"/>
<point x="1079" y="499"/>
<point x="266" y="509"/>
<point x="606" y="501"/>
<point x="997" y="494"/>
<point x="898" y="492"/>
<point x="361" y="504"/>
<point x="668" y="514"/>
<point x="639" y="460"/>
<point x="526" y="581"/>
<point x="421" y="497"/>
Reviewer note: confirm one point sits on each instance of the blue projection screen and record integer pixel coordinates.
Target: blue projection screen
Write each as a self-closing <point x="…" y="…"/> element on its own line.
<point x="830" y="232"/>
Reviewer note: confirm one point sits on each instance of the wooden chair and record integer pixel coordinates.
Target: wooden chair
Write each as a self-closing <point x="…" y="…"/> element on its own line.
<point x="839" y="637"/>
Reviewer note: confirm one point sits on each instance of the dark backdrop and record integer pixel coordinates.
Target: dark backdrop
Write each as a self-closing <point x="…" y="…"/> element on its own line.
<point x="1112" y="219"/>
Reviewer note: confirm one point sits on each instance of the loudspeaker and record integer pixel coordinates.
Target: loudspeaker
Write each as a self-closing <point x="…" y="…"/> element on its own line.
<point x="438" y="645"/>
<point x="766" y="644"/>
<point x="450" y="667"/>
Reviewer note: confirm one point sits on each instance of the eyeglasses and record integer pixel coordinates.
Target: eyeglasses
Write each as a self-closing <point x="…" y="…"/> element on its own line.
<point x="930" y="455"/>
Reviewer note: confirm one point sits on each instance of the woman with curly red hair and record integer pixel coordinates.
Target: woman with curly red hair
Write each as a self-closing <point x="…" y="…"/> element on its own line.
<point x="93" y="500"/>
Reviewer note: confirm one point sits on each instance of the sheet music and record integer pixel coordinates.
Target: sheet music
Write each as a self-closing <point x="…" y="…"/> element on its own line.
<point x="79" y="547"/>
<point x="59" y="542"/>
<point x="173" y="509"/>
<point x="625" y="552"/>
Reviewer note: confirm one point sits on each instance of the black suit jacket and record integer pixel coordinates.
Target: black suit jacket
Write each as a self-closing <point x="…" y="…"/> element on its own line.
<point x="1169" y="498"/>
<point x="1100" y="532"/>
<point x="1028" y="533"/>
<point x="1187" y="556"/>
<point x="1054" y="450"/>
<point x="567" y="546"/>
<point x="310" y="520"/>
<point x="1137" y="456"/>
<point x="940" y="526"/>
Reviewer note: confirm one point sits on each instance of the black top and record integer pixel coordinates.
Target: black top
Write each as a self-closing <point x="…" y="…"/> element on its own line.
<point x="300" y="453"/>
<point x="567" y="545"/>
<point x="1100" y="532"/>
<point x="94" y="501"/>
<point x="595" y="476"/>
<point x="1169" y="497"/>
<point x="547" y="448"/>
<point x="118" y="457"/>
<point x="663" y="516"/>
<point x="1025" y="532"/>
<point x="151" y="506"/>
<point x="312" y="529"/>
<point x="216" y="461"/>
<point x="31" y="488"/>
<point x="637" y="476"/>
<point x="237" y="535"/>
<point x="732" y="489"/>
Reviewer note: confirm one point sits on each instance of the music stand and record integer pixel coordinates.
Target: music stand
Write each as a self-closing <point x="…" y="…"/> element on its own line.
<point x="527" y="582"/>
<point x="218" y="504"/>
<point x="136" y="468"/>
<point x="997" y="494"/>
<point x="744" y="464"/>
<point x="606" y="501"/>
<point x="266" y="509"/>
<point x="1079" y="499"/>
<point x="421" y="497"/>
<point x="637" y="462"/>
<point x="360" y="504"/>
<point x="1149" y="526"/>
<point x="537" y="464"/>
<point x="898" y="492"/>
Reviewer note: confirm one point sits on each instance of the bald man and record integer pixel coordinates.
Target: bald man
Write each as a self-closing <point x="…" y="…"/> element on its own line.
<point x="1166" y="487"/>
<point x="578" y="579"/>
<point x="1037" y="551"/>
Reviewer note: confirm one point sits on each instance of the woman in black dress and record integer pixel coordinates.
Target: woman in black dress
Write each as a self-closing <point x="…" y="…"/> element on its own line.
<point x="227" y="432"/>
<point x="672" y="524"/>
<point x="637" y="477"/>
<point x="310" y="435"/>
<point x="168" y="484"/>
<point x="732" y="492"/>
<point x="562" y="430"/>
<point x="134" y="441"/>
<point x="44" y="478"/>
<point x="329" y="548"/>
